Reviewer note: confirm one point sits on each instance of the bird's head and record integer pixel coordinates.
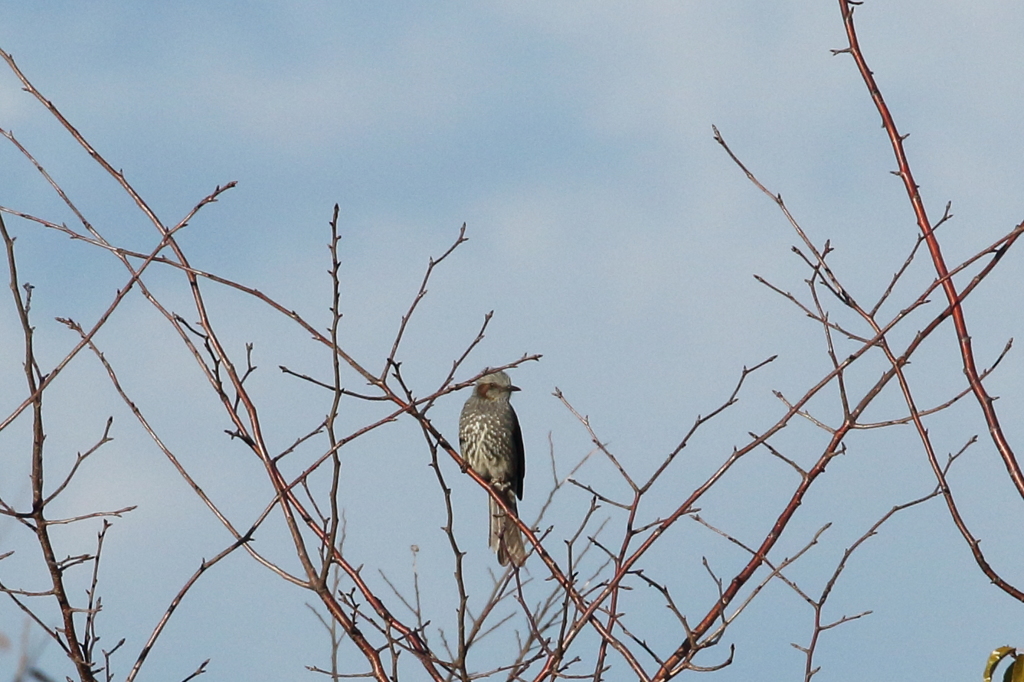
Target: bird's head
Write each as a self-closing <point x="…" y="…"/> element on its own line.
<point x="494" y="386"/>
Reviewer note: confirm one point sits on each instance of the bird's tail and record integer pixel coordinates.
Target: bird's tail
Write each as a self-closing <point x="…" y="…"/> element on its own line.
<point x="505" y="537"/>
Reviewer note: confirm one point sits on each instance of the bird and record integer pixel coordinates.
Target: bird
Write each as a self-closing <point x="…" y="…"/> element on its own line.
<point x="492" y="445"/>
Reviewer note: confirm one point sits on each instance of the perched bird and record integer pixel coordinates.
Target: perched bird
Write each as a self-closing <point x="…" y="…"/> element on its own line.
<point x="492" y="444"/>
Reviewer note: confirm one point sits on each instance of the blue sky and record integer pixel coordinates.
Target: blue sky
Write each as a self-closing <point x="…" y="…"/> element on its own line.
<point x="608" y="232"/>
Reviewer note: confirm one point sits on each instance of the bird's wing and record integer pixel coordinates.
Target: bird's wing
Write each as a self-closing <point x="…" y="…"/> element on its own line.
<point x="518" y="455"/>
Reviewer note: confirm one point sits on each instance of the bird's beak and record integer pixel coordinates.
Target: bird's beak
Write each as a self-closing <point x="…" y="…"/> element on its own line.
<point x="514" y="388"/>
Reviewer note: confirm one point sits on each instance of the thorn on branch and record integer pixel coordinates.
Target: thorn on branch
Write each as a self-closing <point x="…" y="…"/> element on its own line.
<point x="241" y="436"/>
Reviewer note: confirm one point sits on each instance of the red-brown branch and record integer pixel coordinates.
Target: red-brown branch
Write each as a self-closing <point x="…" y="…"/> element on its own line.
<point x="934" y="249"/>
